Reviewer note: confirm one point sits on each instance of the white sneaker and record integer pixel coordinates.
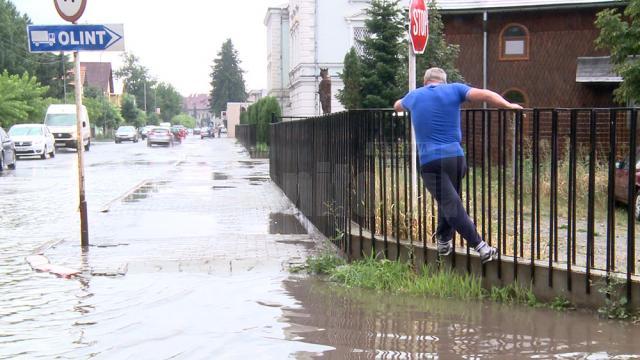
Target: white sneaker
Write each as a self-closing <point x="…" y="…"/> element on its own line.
<point x="487" y="253"/>
<point x="444" y="247"/>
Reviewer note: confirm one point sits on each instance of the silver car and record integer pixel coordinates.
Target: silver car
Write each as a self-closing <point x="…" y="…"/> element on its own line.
<point x="126" y="133"/>
<point x="160" y="136"/>
<point x="33" y="140"/>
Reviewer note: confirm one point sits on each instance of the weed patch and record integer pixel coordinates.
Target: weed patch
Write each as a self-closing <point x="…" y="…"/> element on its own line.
<point x="616" y="303"/>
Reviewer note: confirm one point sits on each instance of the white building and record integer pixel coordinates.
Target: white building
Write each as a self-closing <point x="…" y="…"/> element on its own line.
<point x="302" y="37"/>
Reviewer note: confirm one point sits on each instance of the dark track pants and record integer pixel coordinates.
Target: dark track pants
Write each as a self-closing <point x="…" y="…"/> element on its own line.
<point x="443" y="178"/>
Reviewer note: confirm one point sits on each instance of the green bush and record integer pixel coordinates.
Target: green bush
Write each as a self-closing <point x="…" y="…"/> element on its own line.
<point x="184" y="119"/>
<point x="21" y="99"/>
<point x="268" y="107"/>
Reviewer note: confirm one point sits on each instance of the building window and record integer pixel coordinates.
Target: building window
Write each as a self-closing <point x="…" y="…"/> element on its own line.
<point x="514" y="43"/>
<point x="516" y="96"/>
<point x="359" y="33"/>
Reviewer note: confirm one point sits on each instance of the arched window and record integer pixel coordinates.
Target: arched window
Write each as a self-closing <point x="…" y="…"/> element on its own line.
<point x="516" y="96"/>
<point x="514" y="42"/>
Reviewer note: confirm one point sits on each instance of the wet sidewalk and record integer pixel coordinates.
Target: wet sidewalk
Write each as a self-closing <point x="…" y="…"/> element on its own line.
<point x="210" y="213"/>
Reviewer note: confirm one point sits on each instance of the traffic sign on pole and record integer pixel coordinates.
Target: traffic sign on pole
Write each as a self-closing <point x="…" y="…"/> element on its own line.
<point x="418" y="25"/>
<point x="70" y="10"/>
<point x="55" y="38"/>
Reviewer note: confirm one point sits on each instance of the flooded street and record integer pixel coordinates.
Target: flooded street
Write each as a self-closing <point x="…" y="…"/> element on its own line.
<point x="190" y="252"/>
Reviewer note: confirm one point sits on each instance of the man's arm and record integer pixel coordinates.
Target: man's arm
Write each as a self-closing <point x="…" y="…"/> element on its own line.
<point x="398" y="106"/>
<point x="480" y="95"/>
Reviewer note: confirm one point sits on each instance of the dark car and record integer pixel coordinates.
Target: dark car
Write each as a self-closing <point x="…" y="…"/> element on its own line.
<point x="622" y="183"/>
<point x="7" y="151"/>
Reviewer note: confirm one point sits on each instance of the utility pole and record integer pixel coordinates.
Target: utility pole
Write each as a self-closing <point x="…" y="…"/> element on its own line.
<point x="80" y="124"/>
<point x="145" y="96"/>
<point x="64" y="75"/>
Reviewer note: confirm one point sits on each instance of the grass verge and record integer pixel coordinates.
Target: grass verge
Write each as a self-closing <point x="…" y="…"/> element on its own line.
<point x="401" y="278"/>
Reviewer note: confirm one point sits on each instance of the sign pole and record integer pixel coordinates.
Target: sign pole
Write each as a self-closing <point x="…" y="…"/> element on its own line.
<point x="418" y="37"/>
<point x="414" y="157"/>
<point x="84" y="226"/>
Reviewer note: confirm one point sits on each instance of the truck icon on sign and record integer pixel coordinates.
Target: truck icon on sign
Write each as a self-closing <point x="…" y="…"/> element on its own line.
<point x="43" y="37"/>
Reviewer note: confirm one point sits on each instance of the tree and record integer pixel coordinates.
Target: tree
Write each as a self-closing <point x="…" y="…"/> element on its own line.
<point x="16" y="59"/>
<point x="169" y="101"/>
<point x="438" y="52"/>
<point x="153" y="119"/>
<point x="350" y="96"/>
<point x="184" y="119"/>
<point x="128" y="109"/>
<point x="102" y="113"/>
<point x="227" y="81"/>
<point x="244" y="118"/>
<point x="622" y="38"/>
<point x="137" y="82"/>
<point x="21" y="99"/>
<point x="382" y="49"/>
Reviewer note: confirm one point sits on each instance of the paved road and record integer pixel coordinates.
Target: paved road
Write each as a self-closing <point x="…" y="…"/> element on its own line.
<point x="189" y="261"/>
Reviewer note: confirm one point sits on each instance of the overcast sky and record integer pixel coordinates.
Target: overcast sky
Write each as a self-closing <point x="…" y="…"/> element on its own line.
<point x="177" y="40"/>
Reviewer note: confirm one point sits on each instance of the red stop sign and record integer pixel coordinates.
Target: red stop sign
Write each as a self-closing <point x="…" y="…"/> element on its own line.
<point x="418" y="25"/>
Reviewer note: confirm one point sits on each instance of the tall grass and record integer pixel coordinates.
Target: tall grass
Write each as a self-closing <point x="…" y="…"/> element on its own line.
<point x="401" y="278"/>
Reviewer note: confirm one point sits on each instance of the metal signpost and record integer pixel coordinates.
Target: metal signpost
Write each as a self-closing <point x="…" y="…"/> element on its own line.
<point x="419" y="34"/>
<point x="76" y="38"/>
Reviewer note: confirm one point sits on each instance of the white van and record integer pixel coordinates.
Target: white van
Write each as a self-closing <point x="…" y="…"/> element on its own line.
<point x="61" y="120"/>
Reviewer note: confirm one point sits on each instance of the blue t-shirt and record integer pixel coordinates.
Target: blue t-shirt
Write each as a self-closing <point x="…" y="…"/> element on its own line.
<point x="435" y="113"/>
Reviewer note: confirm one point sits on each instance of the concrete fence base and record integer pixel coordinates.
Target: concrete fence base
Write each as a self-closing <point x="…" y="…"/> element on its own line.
<point x="570" y="285"/>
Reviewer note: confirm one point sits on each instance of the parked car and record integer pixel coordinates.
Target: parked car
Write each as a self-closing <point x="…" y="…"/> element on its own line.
<point x="33" y="140"/>
<point x="126" y="133"/>
<point x="196" y="131"/>
<point x="622" y="183"/>
<point x="61" y="120"/>
<point x="159" y="136"/>
<point x="7" y="151"/>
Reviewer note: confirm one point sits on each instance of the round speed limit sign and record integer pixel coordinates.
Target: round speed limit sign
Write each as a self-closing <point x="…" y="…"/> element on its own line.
<point x="70" y="10"/>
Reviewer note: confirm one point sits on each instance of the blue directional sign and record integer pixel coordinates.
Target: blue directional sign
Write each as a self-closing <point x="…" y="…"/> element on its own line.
<point x="55" y="38"/>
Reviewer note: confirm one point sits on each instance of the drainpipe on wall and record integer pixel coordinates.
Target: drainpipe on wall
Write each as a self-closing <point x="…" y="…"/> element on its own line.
<point x="484" y="52"/>
<point x="315" y="55"/>
<point x="484" y="80"/>
<point x="282" y="74"/>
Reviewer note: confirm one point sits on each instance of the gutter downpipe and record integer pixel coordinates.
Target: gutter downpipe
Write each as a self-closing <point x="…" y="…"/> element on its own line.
<point x="484" y="52"/>
<point x="282" y="56"/>
<point x="485" y="45"/>
<point x="315" y="55"/>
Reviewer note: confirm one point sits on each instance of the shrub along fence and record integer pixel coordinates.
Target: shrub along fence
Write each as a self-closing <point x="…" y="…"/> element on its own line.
<point x="550" y="188"/>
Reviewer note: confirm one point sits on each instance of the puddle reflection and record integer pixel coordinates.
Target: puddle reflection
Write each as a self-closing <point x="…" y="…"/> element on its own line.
<point x="285" y="224"/>
<point x="219" y="176"/>
<point x="145" y="191"/>
<point x="363" y="324"/>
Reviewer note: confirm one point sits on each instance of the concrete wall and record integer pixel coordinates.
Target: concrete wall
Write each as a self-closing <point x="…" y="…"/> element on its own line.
<point x="500" y="273"/>
<point x="233" y="117"/>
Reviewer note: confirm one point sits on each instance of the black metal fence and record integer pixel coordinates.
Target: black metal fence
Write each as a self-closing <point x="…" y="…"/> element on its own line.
<point x="246" y="135"/>
<point x="552" y="186"/>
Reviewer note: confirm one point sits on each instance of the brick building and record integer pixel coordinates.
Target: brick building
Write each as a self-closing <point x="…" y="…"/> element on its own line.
<point x="540" y="53"/>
